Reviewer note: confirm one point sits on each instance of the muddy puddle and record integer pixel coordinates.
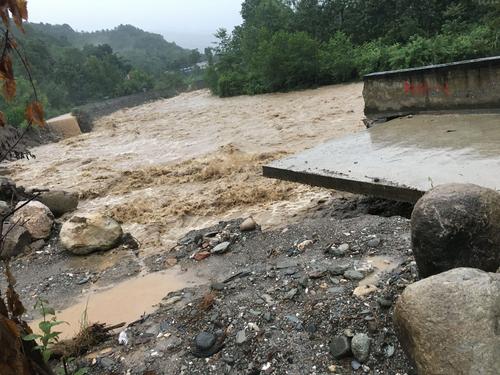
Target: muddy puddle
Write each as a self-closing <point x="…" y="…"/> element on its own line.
<point x="377" y="266"/>
<point x="125" y="302"/>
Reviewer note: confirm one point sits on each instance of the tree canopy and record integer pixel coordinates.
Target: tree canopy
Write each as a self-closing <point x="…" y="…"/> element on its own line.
<point x="288" y="44"/>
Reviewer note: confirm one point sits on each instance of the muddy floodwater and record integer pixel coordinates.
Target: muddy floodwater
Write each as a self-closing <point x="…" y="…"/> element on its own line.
<point x="171" y="166"/>
<point x="124" y="302"/>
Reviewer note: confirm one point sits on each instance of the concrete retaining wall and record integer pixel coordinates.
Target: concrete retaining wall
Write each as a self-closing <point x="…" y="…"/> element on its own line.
<point x="472" y="85"/>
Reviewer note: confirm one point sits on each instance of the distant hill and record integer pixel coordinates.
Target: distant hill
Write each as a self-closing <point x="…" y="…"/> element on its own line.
<point x="144" y="50"/>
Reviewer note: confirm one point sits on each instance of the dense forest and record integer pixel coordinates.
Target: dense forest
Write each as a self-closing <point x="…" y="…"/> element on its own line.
<point x="71" y="68"/>
<point x="289" y="44"/>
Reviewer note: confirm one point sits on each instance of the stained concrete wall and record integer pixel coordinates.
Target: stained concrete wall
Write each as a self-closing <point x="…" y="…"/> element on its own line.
<point x="467" y="85"/>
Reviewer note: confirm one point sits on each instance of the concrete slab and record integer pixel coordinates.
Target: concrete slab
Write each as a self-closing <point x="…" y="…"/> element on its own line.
<point x="403" y="158"/>
<point x="64" y="126"/>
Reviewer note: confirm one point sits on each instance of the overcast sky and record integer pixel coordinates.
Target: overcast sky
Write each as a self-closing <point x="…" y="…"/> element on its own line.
<point x="189" y="23"/>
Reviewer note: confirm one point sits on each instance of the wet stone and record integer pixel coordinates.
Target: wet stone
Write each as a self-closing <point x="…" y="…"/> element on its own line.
<point x="338" y="269"/>
<point x="374" y="242"/>
<point x="205" y="340"/>
<point x="353" y="275"/>
<point x="241" y="337"/>
<point x="340" y="347"/>
<point x="218" y="286"/>
<point x="360" y="346"/>
<point x="384" y="302"/>
<point x="336" y="290"/>
<point x="221" y="248"/>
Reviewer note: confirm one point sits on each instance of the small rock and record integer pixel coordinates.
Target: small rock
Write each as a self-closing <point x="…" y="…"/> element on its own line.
<point x="360" y="347"/>
<point x="336" y="290"/>
<point x="374" y="242"/>
<point x="344" y="247"/>
<point x="171" y="262"/>
<point x="340" y="347"/>
<point x="37" y="245"/>
<point x="355" y="365"/>
<point x="338" y="269"/>
<point x="353" y="275"/>
<point x="268" y="317"/>
<point x="317" y="273"/>
<point x="173" y="300"/>
<point x="221" y="248"/>
<point x="248" y="225"/>
<point x="332" y="369"/>
<point x="295" y="321"/>
<point x="292" y="293"/>
<point x="85" y="280"/>
<point x="388" y="350"/>
<point x="364" y="290"/>
<point x="241" y="337"/>
<point x="200" y="255"/>
<point x="218" y="286"/>
<point x="205" y="340"/>
<point x="304" y="245"/>
<point x="311" y="328"/>
<point x="384" y="302"/>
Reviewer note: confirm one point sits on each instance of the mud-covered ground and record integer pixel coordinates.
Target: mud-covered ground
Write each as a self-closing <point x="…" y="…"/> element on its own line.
<point x="285" y="289"/>
<point x="289" y="300"/>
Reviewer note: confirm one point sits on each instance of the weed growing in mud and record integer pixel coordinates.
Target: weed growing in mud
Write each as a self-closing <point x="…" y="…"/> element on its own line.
<point x="48" y="337"/>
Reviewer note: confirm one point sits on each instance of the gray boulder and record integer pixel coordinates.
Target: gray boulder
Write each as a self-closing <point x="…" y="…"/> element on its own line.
<point x="449" y="323"/>
<point x="36" y="218"/>
<point x="59" y="202"/>
<point x="88" y="233"/>
<point x="456" y="226"/>
<point x="17" y="241"/>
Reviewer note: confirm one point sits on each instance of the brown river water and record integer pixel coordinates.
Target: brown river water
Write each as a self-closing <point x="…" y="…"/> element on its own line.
<point x="184" y="163"/>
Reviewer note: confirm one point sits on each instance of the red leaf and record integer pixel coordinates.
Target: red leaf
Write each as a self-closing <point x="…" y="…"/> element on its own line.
<point x="3" y="121"/>
<point x="35" y="114"/>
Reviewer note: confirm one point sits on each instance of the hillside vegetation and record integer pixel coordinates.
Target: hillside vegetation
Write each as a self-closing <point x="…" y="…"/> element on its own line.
<point x="289" y="44"/>
<point x="71" y="68"/>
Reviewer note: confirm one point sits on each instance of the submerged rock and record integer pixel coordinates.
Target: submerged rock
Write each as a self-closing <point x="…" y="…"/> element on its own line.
<point x="448" y="324"/>
<point x="85" y="234"/>
<point x="456" y="226"/>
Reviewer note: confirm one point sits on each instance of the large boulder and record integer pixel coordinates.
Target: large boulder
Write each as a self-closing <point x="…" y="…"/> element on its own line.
<point x="35" y="217"/>
<point x="456" y="226"/>
<point x="450" y="323"/>
<point x="59" y="202"/>
<point x="87" y="233"/>
<point x="16" y="241"/>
